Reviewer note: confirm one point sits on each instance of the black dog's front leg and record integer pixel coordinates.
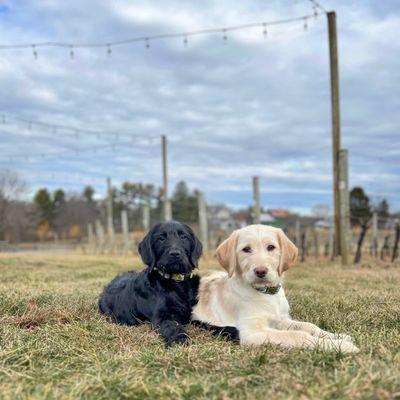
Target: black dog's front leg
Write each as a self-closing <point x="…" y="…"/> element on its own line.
<point x="171" y="331"/>
<point x="227" y="332"/>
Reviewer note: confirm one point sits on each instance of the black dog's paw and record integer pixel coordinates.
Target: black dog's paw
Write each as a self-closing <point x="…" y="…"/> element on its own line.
<point x="180" y="338"/>
<point x="230" y="333"/>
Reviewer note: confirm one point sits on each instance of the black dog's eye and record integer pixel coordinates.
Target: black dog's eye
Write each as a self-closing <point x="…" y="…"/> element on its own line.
<point x="183" y="236"/>
<point x="161" y="238"/>
<point x="247" y="249"/>
<point x="271" y="247"/>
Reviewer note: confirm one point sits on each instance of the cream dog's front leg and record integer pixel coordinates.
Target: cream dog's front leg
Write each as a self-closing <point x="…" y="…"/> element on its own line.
<point x="255" y="332"/>
<point x="312" y="329"/>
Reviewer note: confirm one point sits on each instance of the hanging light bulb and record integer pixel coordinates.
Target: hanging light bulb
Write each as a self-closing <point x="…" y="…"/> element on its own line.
<point x="34" y="51"/>
<point x="108" y="50"/>
<point x="185" y="41"/>
<point x="147" y="43"/>
<point x="71" y="52"/>
<point x="224" y="35"/>
<point x="265" y="33"/>
<point x="305" y="26"/>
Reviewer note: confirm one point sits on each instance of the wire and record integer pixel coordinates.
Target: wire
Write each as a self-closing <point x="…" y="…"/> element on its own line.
<point x="318" y="5"/>
<point x="56" y="127"/>
<point x="147" y="39"/>
<point x="77" y="151"/>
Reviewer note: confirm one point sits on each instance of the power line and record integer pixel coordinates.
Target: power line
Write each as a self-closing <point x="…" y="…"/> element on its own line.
<point x="56" y="128"/>
<point x="317" y="5"/>
<point x="78" y="151"/>
<point x="147" y="39"/>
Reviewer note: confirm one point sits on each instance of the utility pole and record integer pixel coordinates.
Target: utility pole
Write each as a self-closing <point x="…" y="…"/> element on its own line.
<point x="203" y="223"/>
<point x="110" y="219"/>
<point x="344" y="205"/>
<point x="334" y="71"/>
<point x="166" y="204"/>
<point x="256" y="200"/>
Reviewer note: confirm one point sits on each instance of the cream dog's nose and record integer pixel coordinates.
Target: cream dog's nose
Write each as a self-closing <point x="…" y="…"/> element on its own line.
<point x="261" y="271"/>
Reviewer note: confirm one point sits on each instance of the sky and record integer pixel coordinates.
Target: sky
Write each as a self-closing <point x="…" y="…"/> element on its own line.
<point x="231" y="109"/>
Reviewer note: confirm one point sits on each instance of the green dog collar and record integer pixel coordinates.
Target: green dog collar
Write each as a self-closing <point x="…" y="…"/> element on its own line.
<point x="269" y="289"/>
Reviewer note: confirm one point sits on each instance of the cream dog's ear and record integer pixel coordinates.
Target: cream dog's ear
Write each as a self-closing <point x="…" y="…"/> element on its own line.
<point x="288" y="252"/>
<point x="226" y="253"/>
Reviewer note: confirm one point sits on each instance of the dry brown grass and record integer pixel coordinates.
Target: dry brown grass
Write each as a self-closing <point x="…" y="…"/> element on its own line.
<point x="55" y="345"/>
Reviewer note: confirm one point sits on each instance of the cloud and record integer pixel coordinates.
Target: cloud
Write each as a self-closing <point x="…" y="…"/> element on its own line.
<point x="250" y="106"/>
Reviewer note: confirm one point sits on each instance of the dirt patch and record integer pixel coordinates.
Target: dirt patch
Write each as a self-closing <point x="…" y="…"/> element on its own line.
<point x="35" y="317"/>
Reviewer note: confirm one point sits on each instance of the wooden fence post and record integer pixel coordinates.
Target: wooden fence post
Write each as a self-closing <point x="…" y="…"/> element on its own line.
<point x="100" y="237"/>
<point x="145" y="217"/>
<point x="298" y="233"/>
<point x="375" y="234"/>
<point x="256" y="200"/>
<point x="396" y="242"/>
<point x="125" y="231"/>
<point x="203" y="223"/>
<point x="91" y="241"/>
<point x="110" y="217"/>
<point x="344" y="199"/>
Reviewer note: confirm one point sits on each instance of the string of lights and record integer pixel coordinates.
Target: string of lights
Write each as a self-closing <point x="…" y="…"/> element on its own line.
<point x="55" y="129"/>
<point x="317" y="6"/>
<point x="184" y="36"/>
<point x="76" y="152"/>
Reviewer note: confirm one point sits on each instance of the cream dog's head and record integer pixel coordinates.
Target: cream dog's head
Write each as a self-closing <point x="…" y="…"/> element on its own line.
<point x="259" y="254"/>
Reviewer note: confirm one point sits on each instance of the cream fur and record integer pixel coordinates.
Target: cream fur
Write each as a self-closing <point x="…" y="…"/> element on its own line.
<point x="230" y="298"/>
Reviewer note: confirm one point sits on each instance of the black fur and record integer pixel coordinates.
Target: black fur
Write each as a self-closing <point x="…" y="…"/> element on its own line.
<point x="147" y="296"/>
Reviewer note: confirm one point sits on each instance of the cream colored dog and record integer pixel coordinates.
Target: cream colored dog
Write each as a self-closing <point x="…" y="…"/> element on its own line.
<point x="251" y="297"/>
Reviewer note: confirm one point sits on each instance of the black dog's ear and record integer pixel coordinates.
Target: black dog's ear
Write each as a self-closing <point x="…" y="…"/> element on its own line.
<point x="146" y="249"/>
<point x="196" y="248"/>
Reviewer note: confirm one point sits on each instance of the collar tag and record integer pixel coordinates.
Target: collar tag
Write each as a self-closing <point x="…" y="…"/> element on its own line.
<point x="174" y="277"/>
<point x="269" y="289"/>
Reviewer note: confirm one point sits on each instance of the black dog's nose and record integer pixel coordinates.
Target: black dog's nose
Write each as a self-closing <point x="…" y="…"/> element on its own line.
<point x="174" y="253"/>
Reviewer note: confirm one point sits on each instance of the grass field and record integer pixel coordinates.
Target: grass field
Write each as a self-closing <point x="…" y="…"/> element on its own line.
<point x="55" y="345"/>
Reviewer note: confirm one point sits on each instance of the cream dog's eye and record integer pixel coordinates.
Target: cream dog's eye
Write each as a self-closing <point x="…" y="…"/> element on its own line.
<point x="271" y="247"/>
<point x="247" y="249"/>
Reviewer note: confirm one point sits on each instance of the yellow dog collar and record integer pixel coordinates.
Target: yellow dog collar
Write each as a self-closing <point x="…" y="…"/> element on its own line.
<point x="174" y="277"/>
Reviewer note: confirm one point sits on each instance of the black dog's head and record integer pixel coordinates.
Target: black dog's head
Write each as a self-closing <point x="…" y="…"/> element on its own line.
<point x="171" y="247"/>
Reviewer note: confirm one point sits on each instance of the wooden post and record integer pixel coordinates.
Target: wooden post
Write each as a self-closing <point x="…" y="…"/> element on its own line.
<point x="91" y="241"/>
<point x="167" y="214"/>
<point x="344" y="198"/>
<point x="375" y="234"/>
<point x="145" y="217"/>
<point x="203" y="223"/>
<point x="256" y="200"/>
<point x="298" y="233"/>
<point x="110" y="217"/>
<point x="396" y="242"/>
<point x="100" y="236"/>
<point x="330" y="240"/>
<point x="316" y="243"/>
<point x="334" y="72"/>
<point x="125" y="231"/>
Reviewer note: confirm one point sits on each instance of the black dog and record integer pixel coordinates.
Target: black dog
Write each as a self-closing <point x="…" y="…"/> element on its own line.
<point x="166" y="291"/>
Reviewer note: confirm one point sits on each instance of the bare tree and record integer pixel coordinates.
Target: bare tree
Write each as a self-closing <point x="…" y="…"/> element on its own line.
<point x="11" y="187"/>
